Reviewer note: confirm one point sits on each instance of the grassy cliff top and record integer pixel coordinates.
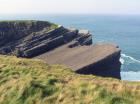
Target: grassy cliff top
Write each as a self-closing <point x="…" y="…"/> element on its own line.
<point x="18" y="20"/>
<point x="25" y="81"/>
<point x="21" y="21"/>
<point x="27" y="22"/>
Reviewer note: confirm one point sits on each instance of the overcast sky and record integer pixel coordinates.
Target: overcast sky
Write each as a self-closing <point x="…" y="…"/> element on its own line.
<point x="69" y="7"/>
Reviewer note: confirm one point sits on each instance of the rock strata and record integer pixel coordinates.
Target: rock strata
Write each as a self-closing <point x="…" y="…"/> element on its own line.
<point x="28" y="40"/>
<point x="59" y="45"/>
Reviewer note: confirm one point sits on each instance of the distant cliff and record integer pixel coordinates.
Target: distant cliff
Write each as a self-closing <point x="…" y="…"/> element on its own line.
<point x="16" y="33"/>
<point x="59" y="45"/>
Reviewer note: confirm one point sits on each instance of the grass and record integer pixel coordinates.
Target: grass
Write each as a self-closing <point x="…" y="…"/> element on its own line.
<point x="29" y="22"/>
<point x="25" y="81"/>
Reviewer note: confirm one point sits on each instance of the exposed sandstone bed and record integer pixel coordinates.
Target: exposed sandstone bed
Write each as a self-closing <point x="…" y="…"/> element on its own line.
<point x="98" y="59"/>
<point x="60" y="45"/>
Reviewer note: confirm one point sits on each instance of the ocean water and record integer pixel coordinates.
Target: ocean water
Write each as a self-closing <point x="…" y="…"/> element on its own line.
<point x="121" y="30"/>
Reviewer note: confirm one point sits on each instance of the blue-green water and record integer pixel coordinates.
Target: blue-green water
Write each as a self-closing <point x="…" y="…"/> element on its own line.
<point x="122" y="30"/>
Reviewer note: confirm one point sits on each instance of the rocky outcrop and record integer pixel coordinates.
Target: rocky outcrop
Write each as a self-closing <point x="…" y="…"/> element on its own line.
<point x="31" y="38"/>
<point x="14" y="30"/>
<point x="97" y="59"/>
<point x="59" y="45"/>
<point x="14" y="33"/>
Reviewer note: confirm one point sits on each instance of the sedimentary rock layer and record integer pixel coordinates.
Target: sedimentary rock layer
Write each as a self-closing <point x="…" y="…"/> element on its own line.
<point x="31" y="38"/>
<point x="98" y="59"/>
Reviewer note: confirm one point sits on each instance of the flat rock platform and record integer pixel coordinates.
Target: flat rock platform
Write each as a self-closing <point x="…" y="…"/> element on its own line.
<point x="80" y="56"/>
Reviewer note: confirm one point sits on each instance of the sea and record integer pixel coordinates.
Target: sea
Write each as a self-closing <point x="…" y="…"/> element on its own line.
<point x="123" y="30"/>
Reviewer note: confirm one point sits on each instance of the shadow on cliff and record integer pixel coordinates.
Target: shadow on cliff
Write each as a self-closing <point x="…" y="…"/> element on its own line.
<point x="109" y="67"/>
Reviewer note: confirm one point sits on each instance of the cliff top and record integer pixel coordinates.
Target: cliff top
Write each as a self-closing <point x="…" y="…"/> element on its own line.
<point x="25" y="22"/>
<point x="21" y="21"/>
<point x="33" y="81"/>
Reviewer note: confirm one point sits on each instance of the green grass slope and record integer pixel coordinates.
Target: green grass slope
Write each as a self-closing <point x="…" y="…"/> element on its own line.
<point x="24" y="81"/>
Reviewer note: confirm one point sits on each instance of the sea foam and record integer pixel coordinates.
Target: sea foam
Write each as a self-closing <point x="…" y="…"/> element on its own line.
<point x="131" y="59"/>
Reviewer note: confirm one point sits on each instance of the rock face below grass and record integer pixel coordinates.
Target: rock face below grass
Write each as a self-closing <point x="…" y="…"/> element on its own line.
<point x="59" y="45"/>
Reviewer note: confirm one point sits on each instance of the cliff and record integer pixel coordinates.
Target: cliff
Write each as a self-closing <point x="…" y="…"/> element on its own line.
<point x="19" y="36"/>
<point x="25" y="81"/>
<point x="59" y="45"/>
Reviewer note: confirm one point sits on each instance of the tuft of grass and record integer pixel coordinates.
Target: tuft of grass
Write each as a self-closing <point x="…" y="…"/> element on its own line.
<point x="26" y="81"/>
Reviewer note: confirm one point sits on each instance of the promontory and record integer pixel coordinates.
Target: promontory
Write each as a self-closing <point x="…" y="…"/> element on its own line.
<point x="55" y="44"/>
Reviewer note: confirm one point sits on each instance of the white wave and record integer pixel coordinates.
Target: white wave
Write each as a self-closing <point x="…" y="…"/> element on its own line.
<point x="122" y="60"/>
<point x="129" y="75"/>
<point x="129" y="57"/>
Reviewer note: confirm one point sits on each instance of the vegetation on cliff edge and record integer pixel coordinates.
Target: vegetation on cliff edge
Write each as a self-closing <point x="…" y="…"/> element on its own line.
<point x="28" y="23"/>
<point x="25" y="81"/>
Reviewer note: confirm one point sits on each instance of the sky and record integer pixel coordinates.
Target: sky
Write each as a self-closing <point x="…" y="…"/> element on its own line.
<point x="69" y="7"/>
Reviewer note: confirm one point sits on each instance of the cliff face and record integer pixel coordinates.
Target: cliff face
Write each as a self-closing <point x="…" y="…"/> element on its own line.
<point x="107" y="66"/>
<point x="60" y="45"/>
<point x="15" y="33"/>
<point x="14" y="30"/>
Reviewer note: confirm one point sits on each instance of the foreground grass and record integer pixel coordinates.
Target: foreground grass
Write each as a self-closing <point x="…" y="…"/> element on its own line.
<point x="24" y="81"/>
